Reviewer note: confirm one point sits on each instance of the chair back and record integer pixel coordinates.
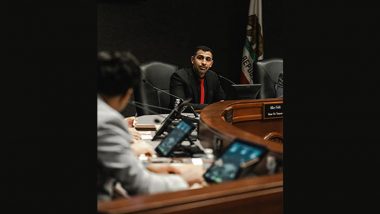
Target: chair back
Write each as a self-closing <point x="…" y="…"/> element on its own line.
<point x="270" y="73"/>
<point x="155" y="74"/>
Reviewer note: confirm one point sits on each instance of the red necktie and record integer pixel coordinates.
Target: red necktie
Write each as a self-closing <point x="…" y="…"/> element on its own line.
<point x="202" y="91"/>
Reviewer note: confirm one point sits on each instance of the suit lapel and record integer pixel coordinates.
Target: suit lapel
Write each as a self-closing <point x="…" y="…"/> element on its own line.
<point x="194" y="87"/>
<point x="207" y="84"/>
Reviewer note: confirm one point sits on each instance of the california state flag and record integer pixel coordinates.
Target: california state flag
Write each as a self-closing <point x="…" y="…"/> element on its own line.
<point x="254" y="44"/>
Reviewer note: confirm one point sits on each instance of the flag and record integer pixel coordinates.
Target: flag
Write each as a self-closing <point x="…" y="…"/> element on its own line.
<point x="254" y="44"/>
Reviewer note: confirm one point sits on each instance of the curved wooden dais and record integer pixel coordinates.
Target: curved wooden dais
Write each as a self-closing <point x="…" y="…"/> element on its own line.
<point x="256" y="121"/>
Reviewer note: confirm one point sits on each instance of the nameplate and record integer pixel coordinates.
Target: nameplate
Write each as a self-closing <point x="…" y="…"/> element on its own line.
<point x="272" y="110"/>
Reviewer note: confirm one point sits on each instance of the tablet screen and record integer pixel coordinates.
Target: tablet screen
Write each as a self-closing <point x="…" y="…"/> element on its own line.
<point x="237" y="155"/>
<point x="177" y="135"/>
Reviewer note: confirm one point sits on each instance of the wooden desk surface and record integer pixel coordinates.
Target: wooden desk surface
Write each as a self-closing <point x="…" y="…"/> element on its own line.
<point x="235" y="197"/>
<point x="259" y="195"/>
<point x="246" y="115"/>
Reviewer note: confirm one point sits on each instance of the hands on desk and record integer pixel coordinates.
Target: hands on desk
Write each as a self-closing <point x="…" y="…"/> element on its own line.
<point x="135" y="134"/>
<point x="140" y="147"/>
<point x="161" y="168"/>
<point x="130" y="121"/>
<point x="192" y="174"/>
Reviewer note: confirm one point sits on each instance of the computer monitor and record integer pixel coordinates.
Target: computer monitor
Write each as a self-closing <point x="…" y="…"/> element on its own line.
<point x="175" y="136"/>
<point x="236" y="158"/>
<point x="246" y="91"/>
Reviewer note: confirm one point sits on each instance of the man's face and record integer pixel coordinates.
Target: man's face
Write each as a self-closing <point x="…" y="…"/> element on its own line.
<point x="202" y="61"/>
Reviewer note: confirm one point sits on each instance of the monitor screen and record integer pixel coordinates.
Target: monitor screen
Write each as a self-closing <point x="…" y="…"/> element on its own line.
<point x="176" y="136"/>
<point x="238" y="155"/>
<point x="246" y="91"/>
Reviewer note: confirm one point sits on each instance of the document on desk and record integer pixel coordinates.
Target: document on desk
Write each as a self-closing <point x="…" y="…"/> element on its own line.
<point x="148" y="121"/>
<point x="146" y="135"/>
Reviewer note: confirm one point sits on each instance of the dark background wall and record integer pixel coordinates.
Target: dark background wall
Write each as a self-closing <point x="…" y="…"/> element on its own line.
<point x="167" y="30"/>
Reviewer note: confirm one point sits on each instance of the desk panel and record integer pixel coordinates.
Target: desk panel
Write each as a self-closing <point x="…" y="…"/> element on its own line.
<point x="222" y="122"/>
<point x="260" y="195"/>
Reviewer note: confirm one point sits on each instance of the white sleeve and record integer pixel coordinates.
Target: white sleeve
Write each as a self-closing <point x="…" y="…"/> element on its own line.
<point x="115" y="152"/>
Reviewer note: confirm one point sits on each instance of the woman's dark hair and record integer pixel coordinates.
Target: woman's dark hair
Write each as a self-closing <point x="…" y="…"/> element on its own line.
<point x="117" y="72"/>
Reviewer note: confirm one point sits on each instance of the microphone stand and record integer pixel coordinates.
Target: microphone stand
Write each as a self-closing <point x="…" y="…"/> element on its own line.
<point x="172" y="95"/>
<point x="187" y="151"/>
<point x="230" y="81"/>
<point x="233" y="94"/>
<point x="143" y="106"/>
<point x="175" y="114"/>
<point x="168" y="121"/>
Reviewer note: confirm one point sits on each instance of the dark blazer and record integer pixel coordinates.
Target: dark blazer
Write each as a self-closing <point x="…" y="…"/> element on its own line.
<point x="185" y="83"/>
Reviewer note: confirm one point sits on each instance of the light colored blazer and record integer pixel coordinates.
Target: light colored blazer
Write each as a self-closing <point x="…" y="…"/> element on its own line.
<point x="116" y="155"/>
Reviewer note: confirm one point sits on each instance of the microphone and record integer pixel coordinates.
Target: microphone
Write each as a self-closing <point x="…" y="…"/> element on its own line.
<point x="160" y="90"/>
<point x="153" y="106"/>
<point x="225" y="78"/>
<point x="174" y="114"/>
<point x="142" y="106"/>
<point x="172" y="95"/>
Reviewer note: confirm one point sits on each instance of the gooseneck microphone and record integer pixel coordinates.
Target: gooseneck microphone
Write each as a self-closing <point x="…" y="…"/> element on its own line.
<point x="143" y="106"/>
<point x="172" y="95"/>
<point x="225" y="78"/>
<point x="153" y="106"/>
<point x="160" y="90"/>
